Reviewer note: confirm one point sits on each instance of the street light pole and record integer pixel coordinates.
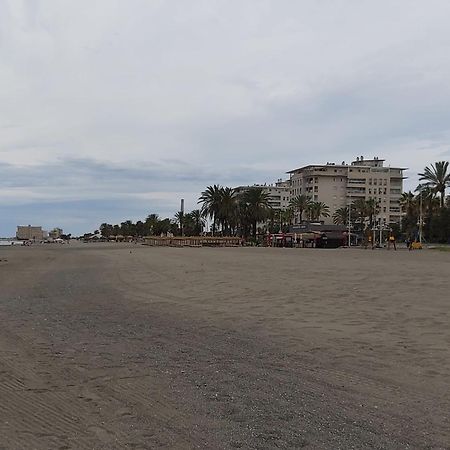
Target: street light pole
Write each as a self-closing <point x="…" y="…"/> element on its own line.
<point x="420" y="218"/>
<point x="349" y="224"/>
<point x="381" y="232"/>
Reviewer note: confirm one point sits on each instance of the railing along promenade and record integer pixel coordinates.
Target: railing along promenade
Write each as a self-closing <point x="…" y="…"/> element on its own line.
<point x="192" y="241"/>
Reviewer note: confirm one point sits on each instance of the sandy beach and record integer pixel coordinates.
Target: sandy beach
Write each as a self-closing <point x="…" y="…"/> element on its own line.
<point x="113" y="346"/>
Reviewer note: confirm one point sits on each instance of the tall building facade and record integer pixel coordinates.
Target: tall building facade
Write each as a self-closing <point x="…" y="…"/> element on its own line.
<point x="339" y="185"/>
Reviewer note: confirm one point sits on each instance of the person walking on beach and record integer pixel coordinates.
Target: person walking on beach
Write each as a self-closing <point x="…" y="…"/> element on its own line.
<point x="391" y="241"/>
<point x="370" y="241"/>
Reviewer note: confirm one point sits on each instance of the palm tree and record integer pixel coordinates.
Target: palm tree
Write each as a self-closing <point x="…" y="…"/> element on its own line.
<point x="410" y="207"/>
<point x="361" y="210"/>
<point x="373" y="208"/>
<point x="317" y="210"/>
<point x="437" y="177"/>
<point x="257" y="202"/>
<point x="178" y="220"/>
<point x="408" y="203"/>
<point x="210" y="200"/>
<point x="198" y="221"/>
<point x="286" y="219"/>
<point x="300" y="204"/>
<point x="227" y="208"/>
<point x="340" y="216"/>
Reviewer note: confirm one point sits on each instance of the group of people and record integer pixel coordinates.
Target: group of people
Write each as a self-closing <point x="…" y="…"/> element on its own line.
<point x="411" y="244"/>
<point x="391" y="242"/>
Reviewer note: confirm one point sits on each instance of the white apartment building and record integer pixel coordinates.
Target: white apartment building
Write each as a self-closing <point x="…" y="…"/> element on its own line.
<point x="339" y="185"/>
<point x="279" y="193"/>
<point x="29" y="233"/>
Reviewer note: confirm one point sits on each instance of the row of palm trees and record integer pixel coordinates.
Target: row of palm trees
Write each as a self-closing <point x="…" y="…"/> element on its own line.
<point x="428" y="208"/>
<point x="193" y="225"/>
<point x="361" y="213"/>
<point x="235" y="212"/>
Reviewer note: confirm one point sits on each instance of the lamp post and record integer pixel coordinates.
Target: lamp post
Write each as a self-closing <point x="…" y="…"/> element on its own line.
<point x="349" y="224"/>
<point x="421" y="219"/>
<point x="381" y="232"/>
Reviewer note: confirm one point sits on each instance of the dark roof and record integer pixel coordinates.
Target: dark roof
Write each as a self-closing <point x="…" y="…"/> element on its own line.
<point x="319" y="227"/>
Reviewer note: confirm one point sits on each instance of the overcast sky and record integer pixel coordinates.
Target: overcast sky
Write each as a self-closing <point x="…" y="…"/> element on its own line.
<point x="111" y="110"/>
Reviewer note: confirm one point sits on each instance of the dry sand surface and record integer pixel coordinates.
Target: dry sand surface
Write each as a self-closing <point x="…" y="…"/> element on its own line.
<point x="111" y="346"/>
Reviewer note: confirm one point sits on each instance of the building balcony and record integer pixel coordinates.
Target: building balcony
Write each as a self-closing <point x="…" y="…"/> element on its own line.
<point x="356" y="193"/>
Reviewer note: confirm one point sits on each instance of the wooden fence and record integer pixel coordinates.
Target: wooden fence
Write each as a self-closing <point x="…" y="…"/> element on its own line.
<point x="196" y="241"/>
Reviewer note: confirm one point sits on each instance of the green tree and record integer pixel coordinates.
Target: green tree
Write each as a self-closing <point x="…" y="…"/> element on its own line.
<point x="316" y="210"/>
<point x="198" y="221"/>
<point x="300" y="204"/>
<point x="287" y="216"/>
<point x="408" y="203"/>
<point x="128" y="228"/>
<point x="340" y="216"/>
<point x="106" y="229"/>
<point x="256" y="200"/>
<point x="210" y="199"/>
<point x="151" y="223"/>
<point x="140" y="228"/>
<point x="437" y="177"/>
<point x="227" y="209"/>
<point x="162" y="227"/>
<point x="373" y="208"/>
<point x="410" y="209"/>
<point x="361" y="210"/>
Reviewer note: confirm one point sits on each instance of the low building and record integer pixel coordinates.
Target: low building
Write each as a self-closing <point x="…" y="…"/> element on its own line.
<point x="30" y="233"/>
<point x="56" y="233"/>
<point x="326" y="235"/>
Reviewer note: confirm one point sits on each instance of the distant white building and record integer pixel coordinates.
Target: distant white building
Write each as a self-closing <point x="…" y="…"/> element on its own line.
<point x="279" y="193"/>
<point x="30" y="233"/>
